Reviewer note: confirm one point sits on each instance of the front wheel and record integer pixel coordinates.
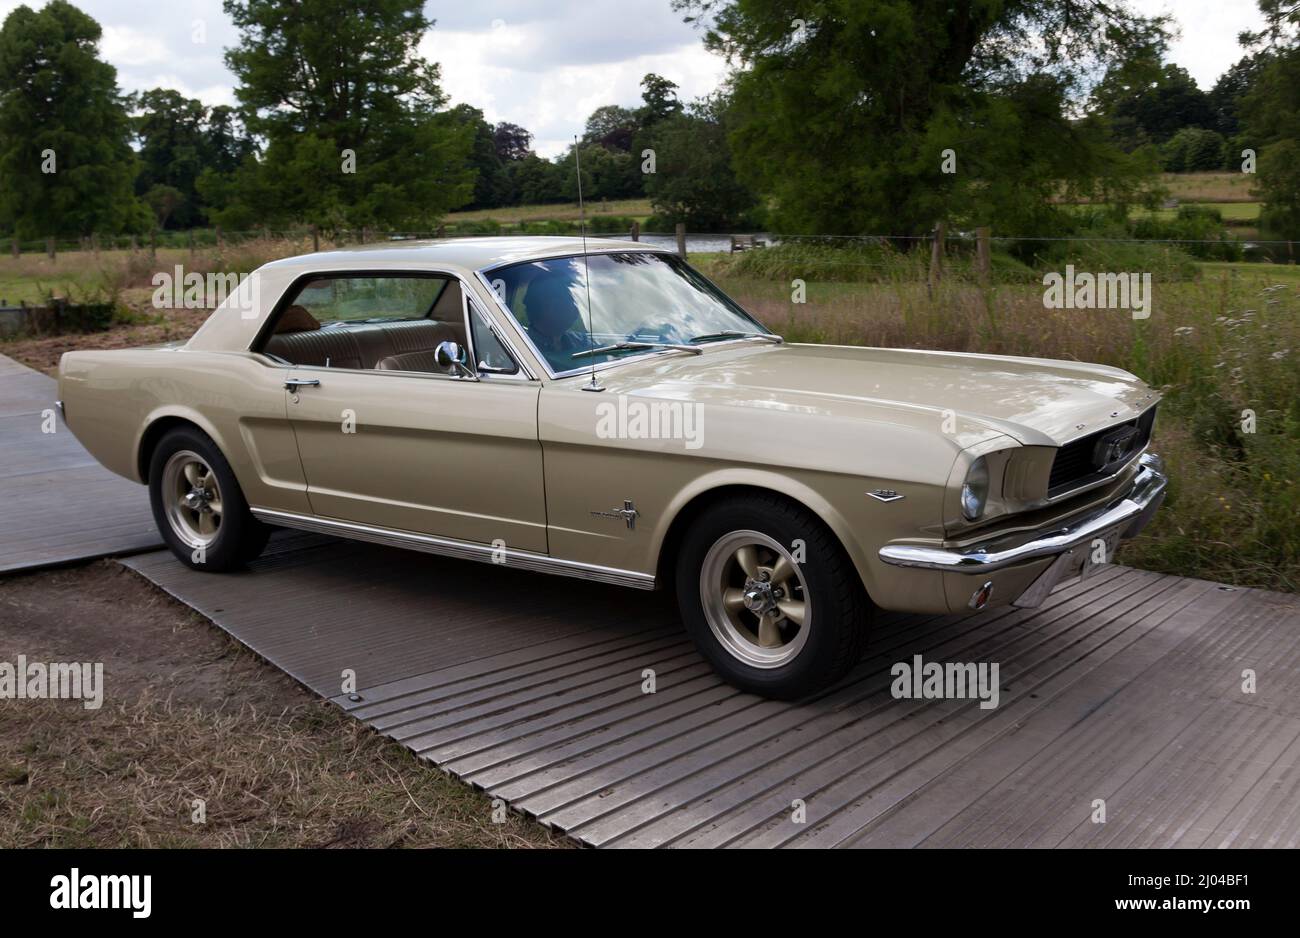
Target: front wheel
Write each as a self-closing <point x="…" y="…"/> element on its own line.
<point x="198" y="506"/>
<point x="770" y="598"/>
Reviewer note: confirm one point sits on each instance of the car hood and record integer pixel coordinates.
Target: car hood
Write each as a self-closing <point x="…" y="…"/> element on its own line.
<point x="1036" y="401"/>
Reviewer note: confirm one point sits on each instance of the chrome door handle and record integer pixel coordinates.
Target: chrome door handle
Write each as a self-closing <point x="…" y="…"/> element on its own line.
<point x="293" y="384"/>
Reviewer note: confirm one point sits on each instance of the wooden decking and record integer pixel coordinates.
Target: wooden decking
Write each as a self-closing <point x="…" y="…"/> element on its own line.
<point x="1126" y="690"/>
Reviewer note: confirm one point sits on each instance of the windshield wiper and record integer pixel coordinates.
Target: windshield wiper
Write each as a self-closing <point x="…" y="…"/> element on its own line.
<point x="717" y="336"/>
<point x="624" y="346"/>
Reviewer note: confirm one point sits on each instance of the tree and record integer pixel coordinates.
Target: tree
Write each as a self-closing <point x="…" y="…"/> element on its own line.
<point x="844" y="121"/>
<point x="1193" y="149"/>
<point x="694" y="181"/>
<point x="1234" y="84"/>
<point x="659" y="100"/>
<point x="351" y="114"/>
<point x="1271" y="118"/>
<point x="65" y="161"/>
<point x="611" y="127"/>
<point x="512" y="142"/>
<point x="1149" y="101"/>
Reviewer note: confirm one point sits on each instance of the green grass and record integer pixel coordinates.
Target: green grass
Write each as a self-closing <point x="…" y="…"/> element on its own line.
<point x="564" y="211"/>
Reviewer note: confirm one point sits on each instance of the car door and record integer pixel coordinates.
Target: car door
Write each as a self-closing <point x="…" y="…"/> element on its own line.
<point x="451" y="455"/>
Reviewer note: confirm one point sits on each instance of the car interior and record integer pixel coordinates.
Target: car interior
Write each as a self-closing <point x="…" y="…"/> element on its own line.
<point x="378" y="342"/>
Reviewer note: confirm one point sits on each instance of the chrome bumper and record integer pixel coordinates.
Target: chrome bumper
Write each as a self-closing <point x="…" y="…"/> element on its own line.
<point x="1135" y="508"/>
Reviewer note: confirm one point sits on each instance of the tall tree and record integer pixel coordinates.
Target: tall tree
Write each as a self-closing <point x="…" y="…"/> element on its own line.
<point x="66" y="167"/>
<point x="693" y="180"/>
<point x="351" y="113"/>
<point x="1271" y="117"/>
<point x="847" y="108"/>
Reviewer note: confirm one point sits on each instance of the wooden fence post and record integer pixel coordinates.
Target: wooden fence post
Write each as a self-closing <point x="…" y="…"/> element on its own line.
<point x="153" y="244"/>
<point x="936" y="256"/>
<point x="441" y="232"/>
<point x="315" y="238"/>
<point x="49" y="247"/>
<point x="635" y="234"/>
<point x="14" y="244"/>
<point x="681" y="239"/>
<point x="983" y="255"/>
<point x="218" y="227"/>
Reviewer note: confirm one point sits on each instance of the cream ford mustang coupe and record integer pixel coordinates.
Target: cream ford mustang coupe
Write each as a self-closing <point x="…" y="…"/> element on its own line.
<point x="607" y="413"/>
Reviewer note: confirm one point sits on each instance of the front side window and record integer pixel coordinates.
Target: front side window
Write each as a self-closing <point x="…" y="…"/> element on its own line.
<point x="635" y="298"/>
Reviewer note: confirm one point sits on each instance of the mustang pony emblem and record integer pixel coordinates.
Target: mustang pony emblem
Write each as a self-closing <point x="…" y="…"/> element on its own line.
<point x="628" y="513"/>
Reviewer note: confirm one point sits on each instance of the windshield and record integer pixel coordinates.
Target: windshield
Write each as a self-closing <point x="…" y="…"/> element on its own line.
<point x="635" y="298"/>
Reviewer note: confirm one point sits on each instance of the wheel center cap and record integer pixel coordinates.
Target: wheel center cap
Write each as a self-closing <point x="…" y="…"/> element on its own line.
<point x="196" y="498"/>
<point x="758" y="597"/>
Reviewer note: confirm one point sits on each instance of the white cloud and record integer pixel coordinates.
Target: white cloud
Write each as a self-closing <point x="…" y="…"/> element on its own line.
<point x="547" y="65"/>
<point x="1207" y="42"/>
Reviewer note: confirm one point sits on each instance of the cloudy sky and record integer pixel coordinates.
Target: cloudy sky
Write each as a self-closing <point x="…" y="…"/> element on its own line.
<point x="544" y="64"/>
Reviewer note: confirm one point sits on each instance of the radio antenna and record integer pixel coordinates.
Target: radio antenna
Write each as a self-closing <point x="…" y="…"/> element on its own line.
<point x="586" y="267"/>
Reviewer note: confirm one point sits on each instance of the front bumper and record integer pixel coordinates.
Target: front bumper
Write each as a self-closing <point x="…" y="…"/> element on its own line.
<point x="1131" y="510"/>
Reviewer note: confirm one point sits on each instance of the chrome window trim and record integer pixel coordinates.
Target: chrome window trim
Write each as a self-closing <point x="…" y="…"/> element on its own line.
<point x="449" y="547"/>
<point x="343" y="273"/>
<point x="482" y="275"/>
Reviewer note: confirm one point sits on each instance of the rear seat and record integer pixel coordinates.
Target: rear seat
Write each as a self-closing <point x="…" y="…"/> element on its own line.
<point x="368" y="346"/>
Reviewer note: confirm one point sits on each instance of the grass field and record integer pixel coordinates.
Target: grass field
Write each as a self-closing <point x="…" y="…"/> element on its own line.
<point x="633" y="208"/>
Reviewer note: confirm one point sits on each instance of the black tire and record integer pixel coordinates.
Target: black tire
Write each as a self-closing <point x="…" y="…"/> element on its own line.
<point x="237" y="537"/>
<point x="838" y="615"/>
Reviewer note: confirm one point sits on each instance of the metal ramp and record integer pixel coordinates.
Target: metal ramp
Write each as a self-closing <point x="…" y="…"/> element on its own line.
<point x="57" y="505"/>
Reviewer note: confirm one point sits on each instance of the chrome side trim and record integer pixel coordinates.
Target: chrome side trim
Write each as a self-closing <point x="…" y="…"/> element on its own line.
<point x="464" y="550"/>
<point x="1135" y="508"/>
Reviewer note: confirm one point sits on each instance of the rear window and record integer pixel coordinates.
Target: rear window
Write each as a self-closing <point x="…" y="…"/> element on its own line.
<point x="370" y="299"/>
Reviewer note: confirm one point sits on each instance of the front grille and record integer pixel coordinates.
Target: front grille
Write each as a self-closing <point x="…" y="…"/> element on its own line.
<point x="1074" y="465"/>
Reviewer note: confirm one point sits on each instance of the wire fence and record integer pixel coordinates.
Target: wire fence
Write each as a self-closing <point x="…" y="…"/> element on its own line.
<point x="1227" y="247"/>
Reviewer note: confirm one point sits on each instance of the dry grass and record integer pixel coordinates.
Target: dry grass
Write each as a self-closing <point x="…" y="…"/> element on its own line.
<point x="190" y="714"/>
<point x="307" y="776"/>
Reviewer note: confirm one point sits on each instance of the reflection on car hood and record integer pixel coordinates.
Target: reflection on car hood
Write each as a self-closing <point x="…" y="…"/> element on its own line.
<point x="1036" y="401"/>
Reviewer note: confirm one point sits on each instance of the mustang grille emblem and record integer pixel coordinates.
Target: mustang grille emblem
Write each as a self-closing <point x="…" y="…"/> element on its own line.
<point x="627" y="513"/>
<point x="1113" y="448"/>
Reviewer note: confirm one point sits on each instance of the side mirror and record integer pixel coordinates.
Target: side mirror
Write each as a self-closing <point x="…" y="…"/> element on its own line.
<point x="451" y="359"/>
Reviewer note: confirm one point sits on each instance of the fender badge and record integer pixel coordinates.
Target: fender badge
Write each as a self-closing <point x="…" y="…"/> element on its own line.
<point x="886" y="495"/>
<point x="627" y="513"/>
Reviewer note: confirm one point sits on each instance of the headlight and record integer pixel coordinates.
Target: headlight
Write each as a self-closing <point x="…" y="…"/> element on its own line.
<point x="975" y="490"/>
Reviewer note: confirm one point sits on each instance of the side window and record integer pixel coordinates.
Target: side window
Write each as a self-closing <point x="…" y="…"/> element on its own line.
<point x="372" y="322"/>
<point x="493" y="359"/>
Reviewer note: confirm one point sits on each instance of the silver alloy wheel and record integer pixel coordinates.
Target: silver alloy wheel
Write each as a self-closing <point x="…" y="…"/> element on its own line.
<point x="191" y="498"/>
<point x="755" y="599"/>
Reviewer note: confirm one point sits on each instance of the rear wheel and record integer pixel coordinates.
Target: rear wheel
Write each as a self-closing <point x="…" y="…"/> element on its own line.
<point x="198" y="506"/>
<point x="770" y="598"/>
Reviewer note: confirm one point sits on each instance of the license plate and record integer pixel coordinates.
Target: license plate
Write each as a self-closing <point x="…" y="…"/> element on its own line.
<point x="1091" y="554"/>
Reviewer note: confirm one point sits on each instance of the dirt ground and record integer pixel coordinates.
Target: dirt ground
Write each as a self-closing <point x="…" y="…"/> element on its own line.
<point x="43" y="352"/>
<point x="188" y="715"/>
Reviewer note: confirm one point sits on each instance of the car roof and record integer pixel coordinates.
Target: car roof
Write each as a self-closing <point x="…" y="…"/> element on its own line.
<point x="465" y="255"/>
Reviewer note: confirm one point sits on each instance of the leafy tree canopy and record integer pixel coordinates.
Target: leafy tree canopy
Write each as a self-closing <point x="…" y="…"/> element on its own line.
<point x="845" y="108"/>
<point x="65" y="160"/>
<point x="351" y="113"/>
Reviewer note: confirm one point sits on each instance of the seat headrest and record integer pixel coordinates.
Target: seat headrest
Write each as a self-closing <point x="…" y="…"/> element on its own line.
<point x="296" y="319"/>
